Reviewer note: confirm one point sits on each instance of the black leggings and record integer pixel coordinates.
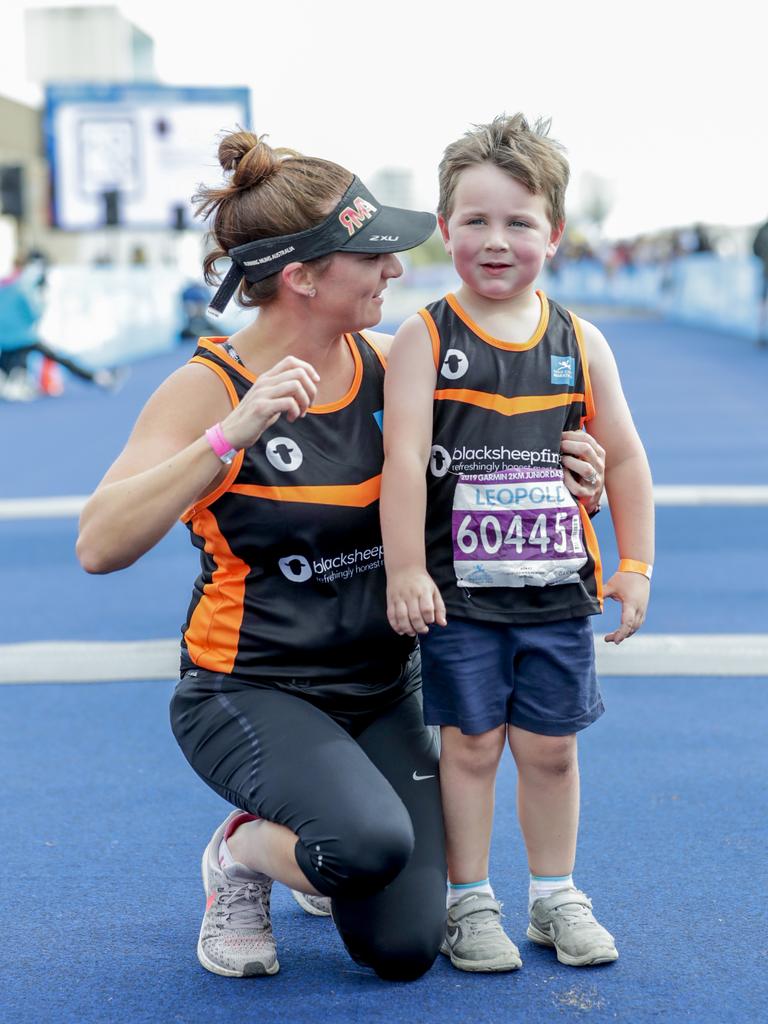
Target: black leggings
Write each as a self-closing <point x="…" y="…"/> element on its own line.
<point x="363" y="797"/>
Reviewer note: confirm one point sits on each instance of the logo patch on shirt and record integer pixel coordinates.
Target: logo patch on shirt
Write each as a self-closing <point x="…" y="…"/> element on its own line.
<point x="563" y="370"/>
<point x="439" y="460"/>
<point x="455" y="364"/>
<point x="284" y="454"/>
<point x="379" y="417"/>
<point x="295" y="568"/>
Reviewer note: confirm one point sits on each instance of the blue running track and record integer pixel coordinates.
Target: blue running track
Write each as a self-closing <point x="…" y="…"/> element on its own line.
<point x="104" y="823"/>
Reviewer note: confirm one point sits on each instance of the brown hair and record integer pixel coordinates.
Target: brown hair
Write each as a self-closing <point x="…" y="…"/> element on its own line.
<point x="526" y="154"/>
<point x="270" y="192"/>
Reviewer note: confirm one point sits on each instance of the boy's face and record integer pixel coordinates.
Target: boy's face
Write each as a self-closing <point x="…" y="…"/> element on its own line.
<point x="498" y="233"/>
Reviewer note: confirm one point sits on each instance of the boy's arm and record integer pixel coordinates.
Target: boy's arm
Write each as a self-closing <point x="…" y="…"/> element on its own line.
<point x="413" y="600"/>
<point x="627" y="482"/>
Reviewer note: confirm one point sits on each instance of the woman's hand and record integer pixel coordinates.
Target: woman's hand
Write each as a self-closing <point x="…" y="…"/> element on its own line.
<point x="583" y="462"/>
<point x="288" y="389"/>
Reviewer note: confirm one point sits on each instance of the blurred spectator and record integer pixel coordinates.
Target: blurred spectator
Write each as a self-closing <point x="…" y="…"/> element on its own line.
<point x="760" y="249"/>
<point x="702" y="240"/>
<point x="194" y="300"/>
<point x="20" y="312"/>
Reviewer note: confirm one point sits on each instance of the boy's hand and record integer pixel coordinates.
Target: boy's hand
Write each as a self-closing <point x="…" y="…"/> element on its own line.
<point x="413" y="602"/>
<point x="633" y="590"/>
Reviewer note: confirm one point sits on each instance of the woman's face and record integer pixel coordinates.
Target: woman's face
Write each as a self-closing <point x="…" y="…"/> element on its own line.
<point x="350" y="291"/>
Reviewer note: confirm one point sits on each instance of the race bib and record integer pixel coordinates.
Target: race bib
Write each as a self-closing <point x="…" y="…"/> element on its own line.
<point x="519" y="527"/>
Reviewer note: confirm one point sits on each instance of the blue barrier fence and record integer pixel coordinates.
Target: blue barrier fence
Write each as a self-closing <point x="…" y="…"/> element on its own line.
<point x="110" y="315"/>
<point x="703" y="289"/>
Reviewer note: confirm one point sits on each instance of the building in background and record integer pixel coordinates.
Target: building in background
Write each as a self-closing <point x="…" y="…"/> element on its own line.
<point x="105" y="174"/>
<point x="87" y="44"/>
<point x="23" y="181"/>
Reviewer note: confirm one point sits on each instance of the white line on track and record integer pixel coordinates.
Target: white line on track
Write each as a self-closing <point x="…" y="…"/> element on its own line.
<point x="680" y="495"/>
<point x="650" y="654"/>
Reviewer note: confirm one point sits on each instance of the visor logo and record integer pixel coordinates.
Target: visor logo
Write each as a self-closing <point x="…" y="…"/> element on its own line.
<point x="455" y="364"/>
<point x="353" y="217"/>
<point x="439" y="460"/>
<point x="284" y="454"/>
<point x="295" y="568"/>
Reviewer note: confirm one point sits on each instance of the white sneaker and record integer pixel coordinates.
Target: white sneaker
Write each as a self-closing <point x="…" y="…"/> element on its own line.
<point x="565" y="920"/>
<point x="236" y="937"/>
<point x="318" y="906"/>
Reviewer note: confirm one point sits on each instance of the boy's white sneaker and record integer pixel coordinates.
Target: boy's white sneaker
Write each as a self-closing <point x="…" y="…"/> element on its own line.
<point x="474" y="938"/>
<point x="236" y="937"/>
<point x="565" y="920"/>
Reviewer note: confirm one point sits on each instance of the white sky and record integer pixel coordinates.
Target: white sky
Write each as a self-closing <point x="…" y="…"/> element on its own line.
<point x="667" y="101"/>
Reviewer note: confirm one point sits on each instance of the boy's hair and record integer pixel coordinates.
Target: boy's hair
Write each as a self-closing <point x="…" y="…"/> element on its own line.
<point x="527" y="154"/>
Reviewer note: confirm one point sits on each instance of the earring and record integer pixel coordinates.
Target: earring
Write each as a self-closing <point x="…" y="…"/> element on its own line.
<point x="312" y="293"/>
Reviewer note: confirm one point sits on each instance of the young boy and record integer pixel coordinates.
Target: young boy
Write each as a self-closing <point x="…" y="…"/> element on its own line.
<point x="477" y="524"/>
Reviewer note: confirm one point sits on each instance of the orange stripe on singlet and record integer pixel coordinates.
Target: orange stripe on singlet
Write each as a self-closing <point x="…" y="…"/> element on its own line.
<point x="507" y="406"/>
<point x="589" y="403"/>
<point x="434" y="335"/>
<point x="594" y="550"/>
<point x="353" y="495"/>
<point x="214" y="628"/>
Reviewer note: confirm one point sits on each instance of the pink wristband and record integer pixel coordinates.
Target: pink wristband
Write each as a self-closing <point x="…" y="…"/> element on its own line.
<point x="220" y="445"/>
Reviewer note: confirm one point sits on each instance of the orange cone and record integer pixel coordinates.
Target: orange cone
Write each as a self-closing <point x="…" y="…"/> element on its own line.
<point x="50" y="382"/>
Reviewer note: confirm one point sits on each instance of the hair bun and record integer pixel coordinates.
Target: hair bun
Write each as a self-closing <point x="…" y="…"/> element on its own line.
<point x="250" y="159"/>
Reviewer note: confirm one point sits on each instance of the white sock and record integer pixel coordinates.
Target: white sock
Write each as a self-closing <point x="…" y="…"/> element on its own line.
<point x="457" y="892"/>
<point x="542" y="886"/>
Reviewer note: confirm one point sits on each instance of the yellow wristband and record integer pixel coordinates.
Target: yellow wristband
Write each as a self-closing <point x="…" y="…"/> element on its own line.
<point x="630" y="565"/>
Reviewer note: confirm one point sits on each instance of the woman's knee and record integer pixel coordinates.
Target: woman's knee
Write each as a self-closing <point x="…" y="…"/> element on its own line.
<point x="365" y="859"/>
<point x="404" y="956"/>
<point x="406" y="964"/>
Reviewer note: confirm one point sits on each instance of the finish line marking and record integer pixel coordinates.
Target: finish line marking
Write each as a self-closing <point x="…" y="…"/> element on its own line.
<point x="652" y="654"/>
<point x="676" y="495"/>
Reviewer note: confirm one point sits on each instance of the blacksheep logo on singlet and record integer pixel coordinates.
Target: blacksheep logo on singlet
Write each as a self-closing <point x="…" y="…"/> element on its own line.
<point x="330" y="569"/>
<point x="295" y="568"/>
<point x="284" y="454"/>
<point x="455" y="364"/>
<point x="439" y="460"/>
<point x="485" y="459"/>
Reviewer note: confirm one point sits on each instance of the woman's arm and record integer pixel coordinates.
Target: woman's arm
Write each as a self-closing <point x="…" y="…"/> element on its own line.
<point x="168" y="465"/>
<point x="413" y="600"/>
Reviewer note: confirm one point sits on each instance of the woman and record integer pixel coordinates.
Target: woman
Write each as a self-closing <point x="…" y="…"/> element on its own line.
<point x="296" y="702"/>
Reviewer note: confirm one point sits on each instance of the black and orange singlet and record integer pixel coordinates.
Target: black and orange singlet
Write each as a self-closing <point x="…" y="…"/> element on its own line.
<point x="506" y="541"/>
<point x="292" y="580"/>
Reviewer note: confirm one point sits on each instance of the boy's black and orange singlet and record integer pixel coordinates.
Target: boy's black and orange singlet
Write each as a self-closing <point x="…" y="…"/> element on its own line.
<point x="292" y="582"/>
<point x="506" y="542"/>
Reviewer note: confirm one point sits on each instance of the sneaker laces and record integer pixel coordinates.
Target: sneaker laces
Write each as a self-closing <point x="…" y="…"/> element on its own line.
<point x="480" y="921"/>
<point x="574" y="914"/>
<point x="243" y="905"/>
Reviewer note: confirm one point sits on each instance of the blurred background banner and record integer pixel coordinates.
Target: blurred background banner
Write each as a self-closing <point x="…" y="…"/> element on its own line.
<point x="130" y="154"/>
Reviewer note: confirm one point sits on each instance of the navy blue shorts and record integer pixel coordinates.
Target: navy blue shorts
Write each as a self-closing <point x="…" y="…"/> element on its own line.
<point x="477" y="676"/>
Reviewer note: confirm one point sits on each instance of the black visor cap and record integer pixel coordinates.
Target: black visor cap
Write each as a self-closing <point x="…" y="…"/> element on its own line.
<point x="358" y="224"/>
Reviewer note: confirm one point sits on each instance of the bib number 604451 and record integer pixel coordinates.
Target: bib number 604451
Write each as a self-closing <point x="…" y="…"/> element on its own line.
<point x="511" y="534"/>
